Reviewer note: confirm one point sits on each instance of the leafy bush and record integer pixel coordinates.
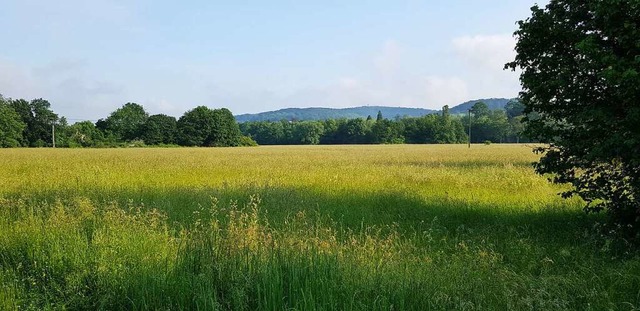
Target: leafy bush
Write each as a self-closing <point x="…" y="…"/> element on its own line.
<point x="246" y="141"/>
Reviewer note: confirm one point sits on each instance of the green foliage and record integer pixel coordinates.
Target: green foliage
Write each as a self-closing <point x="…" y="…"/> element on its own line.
<point x="307" y="132"/>
<point x="490" y="125"/>
<point x="225" y="131"/>
<point x="445" y="111"/>
<point x="39" y="119"/>
<point x="126" y="122"/>
<point x="21" y="107"/>
<point x="480" y="110"/>
<point x="580" y="75"/>
<point x="202" y="126"/>
<point x="130" y="125"/>
<point x="447" y="130"/>
<point x="194" y="127"/>
<point x="387" y="132"/>
<point x="354" y="131"/>
<point x="159" y="129"/>
<point x="331" y="134"/>
<point x="43" y="120"/>
<point x="265" y="133"/>
<point x="434" y="129"/>
<point x="246" y="141"/>
<point x="514" y="108"/>
<point x="84" y="134"/>
<point x="11" y="126"/>
<point x="517" y="127"/>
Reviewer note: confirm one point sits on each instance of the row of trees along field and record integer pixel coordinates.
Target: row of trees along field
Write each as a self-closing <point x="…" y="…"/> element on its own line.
<point x="34" y="124"/>
<point x="486" y="126"/>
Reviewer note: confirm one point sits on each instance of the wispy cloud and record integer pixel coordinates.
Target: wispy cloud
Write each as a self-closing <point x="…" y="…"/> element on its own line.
<point x="14" y="80"/>
<point x="485" y="51"/>
<point x="483" y="58"/>
<point x="73" y="92"/>
<point x="388" y="82"/>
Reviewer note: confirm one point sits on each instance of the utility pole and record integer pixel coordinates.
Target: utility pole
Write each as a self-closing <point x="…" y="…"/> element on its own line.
<point x="53" y="135"/>
<point x="469" y="128"/>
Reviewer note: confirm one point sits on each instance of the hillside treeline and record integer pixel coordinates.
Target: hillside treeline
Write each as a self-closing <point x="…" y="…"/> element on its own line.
<point x="33" y="124"/>
<point x="502" y="126"/>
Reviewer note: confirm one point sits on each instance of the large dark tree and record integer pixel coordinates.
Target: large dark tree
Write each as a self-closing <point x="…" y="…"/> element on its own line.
<point x="202" y="126"/>
<point x="580" y="62"/>
<point x="126" y="122"/>
<point x="11" y="125"/>
<point x="39" y="119"/>
<point x="159" y="129"/>
<point x="225" y="131"/>
<point x="194" y="127"/>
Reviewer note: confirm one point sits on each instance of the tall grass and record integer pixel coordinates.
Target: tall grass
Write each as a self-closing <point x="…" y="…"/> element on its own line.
<point x="299" y="228"/>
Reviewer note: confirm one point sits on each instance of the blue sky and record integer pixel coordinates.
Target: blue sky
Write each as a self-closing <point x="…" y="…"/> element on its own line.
<point x="90" y="57"/>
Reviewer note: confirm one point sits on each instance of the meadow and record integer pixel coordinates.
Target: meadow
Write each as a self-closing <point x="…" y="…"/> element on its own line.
<point x="385" y="227"/>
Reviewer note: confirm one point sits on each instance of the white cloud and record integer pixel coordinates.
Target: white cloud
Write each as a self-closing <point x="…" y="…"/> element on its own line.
<point x="446" y="90"/>
<point x="486" y="51"/>
<point x="387" y="84"/>
<point x="15" y="80"/>
<point x="483" y="58"/>
<point x="72" y="92"/>
<point x="430" y="92"/>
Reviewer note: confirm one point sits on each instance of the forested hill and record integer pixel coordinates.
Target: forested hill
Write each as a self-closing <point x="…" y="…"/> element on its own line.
<point x="303" y="114"/>
<point x="492" y="103"/>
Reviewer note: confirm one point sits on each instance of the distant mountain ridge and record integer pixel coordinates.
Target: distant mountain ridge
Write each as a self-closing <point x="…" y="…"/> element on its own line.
<point x="492" y="103"/>
<point x="316" y="113"/>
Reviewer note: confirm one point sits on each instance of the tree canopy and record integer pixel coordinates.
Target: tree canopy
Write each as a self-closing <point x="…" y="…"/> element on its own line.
<point x="203" y="126"/>
<point x="159" y="129"/>
<point x="38" y="118"/>
<point x="11" y="125"/>
<point x="580" y="62"/>
<point x="126" y="122"/>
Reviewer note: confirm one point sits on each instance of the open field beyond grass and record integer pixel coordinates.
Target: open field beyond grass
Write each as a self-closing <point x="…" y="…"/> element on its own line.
<point x="300" y="228"/>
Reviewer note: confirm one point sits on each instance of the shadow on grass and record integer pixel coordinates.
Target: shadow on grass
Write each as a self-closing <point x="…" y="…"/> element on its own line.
<point x="499" y="257"/>
<point x="560" y="225"/>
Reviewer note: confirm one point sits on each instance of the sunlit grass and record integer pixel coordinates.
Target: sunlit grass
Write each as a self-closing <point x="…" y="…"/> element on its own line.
<point x="299" y="227"/>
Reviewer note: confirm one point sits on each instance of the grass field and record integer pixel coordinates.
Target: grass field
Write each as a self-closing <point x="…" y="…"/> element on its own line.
<point x="300" y="228"/>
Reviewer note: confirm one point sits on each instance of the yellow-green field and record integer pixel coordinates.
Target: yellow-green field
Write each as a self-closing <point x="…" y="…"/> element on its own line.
<point x="300" y="228"/>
